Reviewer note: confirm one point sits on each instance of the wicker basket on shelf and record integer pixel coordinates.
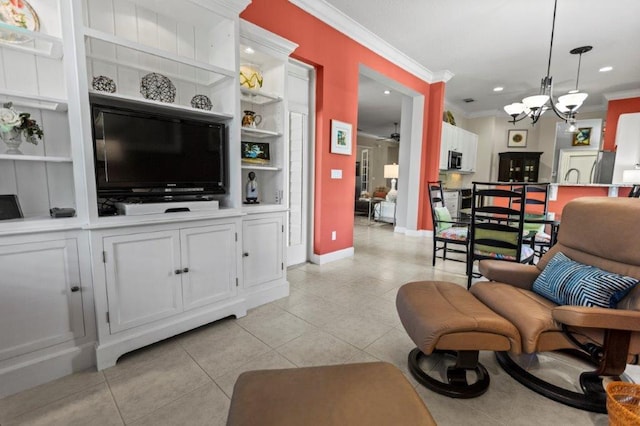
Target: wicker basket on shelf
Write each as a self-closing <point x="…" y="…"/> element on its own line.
<point x="623" y="404"/>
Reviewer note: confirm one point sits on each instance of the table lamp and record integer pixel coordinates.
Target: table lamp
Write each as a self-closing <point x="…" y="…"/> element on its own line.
<point x="631" y="176"/>
<point x="391" y="172"/>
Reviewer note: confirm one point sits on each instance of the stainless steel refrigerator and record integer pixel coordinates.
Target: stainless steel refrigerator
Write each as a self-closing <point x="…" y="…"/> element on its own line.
<point x="602" y="170"/>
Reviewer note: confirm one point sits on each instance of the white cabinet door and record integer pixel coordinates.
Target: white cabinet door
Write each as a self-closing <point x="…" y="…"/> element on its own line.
<point x="142" y="283"/>
<point x="444" y="146"/>
<point x="209" y="264"/>
<point x="469" y="149"/>
<point x="41" y="306"/>
<point x="262" y="250"/>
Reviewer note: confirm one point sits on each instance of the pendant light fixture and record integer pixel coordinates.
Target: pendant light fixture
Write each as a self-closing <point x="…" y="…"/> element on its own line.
<point x="565" y="107"/>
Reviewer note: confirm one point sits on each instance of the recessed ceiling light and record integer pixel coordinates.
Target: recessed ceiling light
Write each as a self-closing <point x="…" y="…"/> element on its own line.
<point x="249" y="50"/>
<point x="387" y="92"/>
<point x="498" y="89"/>
<point x="605" y="69"/>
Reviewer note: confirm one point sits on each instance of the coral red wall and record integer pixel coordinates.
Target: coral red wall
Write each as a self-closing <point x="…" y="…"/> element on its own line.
<point x="336" y="59"/>
<point x="614" y="110"/>
<point x="568" y="193"/>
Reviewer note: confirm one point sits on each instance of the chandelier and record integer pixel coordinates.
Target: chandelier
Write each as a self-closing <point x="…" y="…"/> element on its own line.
<point x="565" y="107"/>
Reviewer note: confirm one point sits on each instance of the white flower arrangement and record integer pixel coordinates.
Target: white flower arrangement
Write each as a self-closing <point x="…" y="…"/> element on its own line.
<point x="19" y="122"/>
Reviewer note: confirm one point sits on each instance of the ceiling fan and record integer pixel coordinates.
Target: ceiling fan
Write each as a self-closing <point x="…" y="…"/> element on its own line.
<point x="394" y="136"/>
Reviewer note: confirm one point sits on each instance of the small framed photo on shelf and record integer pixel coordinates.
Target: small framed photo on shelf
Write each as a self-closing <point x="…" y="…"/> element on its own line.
<point x="255" y="153"/>
<point x="340" y="137"/>
<point x="582" y="137"/>
<point x="517" y="139"/>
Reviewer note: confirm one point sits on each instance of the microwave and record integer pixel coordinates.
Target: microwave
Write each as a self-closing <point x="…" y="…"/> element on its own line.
<point x="455" y="160"/>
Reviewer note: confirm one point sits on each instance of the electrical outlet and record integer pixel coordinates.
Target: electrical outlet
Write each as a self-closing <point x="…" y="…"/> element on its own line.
<point x="333" y="235"/>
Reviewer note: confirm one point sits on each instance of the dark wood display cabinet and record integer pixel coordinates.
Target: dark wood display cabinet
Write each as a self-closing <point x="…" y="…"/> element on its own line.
<point x="519" y="166"/>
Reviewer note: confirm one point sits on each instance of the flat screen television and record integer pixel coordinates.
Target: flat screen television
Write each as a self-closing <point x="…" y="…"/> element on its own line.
<point x="144" y="152"/>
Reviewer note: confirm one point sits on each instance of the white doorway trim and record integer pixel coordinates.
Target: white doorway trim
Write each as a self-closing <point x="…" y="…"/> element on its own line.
<point x="410" y="153"/>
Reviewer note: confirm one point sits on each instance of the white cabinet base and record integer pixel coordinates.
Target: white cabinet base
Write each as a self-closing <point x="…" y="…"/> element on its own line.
<point x="113" y="347"/>
<point x="53" y="364"/>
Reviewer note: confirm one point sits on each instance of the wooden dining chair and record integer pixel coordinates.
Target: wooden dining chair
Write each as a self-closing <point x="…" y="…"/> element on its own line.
<point x="497" y="225"/>
<point x="447" y="230"/>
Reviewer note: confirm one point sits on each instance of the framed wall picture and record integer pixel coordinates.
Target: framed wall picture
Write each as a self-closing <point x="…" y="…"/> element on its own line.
<point x="340" y="137"/>
<point x="517" y="139"/>
<point x="582" y="137"/>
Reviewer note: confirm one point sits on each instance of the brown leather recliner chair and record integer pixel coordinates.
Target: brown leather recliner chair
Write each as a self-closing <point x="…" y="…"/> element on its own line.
<point x="602" y="232"/>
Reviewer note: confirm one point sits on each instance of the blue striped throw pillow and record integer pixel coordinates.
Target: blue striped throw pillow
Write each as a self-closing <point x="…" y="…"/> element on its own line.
<point x="567" y="282"/>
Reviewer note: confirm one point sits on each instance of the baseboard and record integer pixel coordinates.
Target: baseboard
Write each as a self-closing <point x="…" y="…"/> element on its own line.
<point x="266" y="295"/>
<point x="43" y="369"/>
<point x="321" y="259"/>
<point x="413" y="232"/>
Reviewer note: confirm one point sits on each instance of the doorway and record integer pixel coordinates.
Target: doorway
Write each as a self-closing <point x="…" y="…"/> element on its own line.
<point x="390" y="128"/>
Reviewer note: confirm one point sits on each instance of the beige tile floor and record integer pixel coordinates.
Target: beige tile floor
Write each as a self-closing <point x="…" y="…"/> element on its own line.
<point x="342" y="312"/>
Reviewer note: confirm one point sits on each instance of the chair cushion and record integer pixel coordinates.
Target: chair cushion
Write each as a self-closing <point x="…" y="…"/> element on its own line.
<point x="525" y="253"/>
<point x="442" y="214"/>
<point x="496" y="235"/>
<point x="567" y="282"/>
<point x="453" y="233"/>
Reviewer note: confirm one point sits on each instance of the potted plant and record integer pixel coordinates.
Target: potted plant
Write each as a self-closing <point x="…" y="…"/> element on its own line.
<point x="17" y="126"/>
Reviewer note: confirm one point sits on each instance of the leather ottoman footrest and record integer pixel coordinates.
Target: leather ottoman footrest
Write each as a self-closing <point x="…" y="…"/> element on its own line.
<point x="374" y="393"/>
<point x="445" y="318"/>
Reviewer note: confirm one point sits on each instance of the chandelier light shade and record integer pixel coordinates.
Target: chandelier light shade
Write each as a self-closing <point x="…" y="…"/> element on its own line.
<point x="565" y="107"/>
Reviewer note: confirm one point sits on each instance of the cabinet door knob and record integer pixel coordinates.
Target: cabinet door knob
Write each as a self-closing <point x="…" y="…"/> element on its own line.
<point x="185" y="270"/>
<point x="75" y="288"/>
<point x="245" y="254"/>
<point x="178" y="271"/>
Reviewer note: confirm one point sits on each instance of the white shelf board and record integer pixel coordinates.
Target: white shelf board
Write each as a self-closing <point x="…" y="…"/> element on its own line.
<point x="49" y="46"/>
<point x="119" y="41"/>
<point x="164" y="105"/>
<point x="181" y="77"/>
<point x="263" y="208"/>
<point x="258" y="133"/>
<point x="35" y="224"/>
<point x="33" y="101"/>
<point x="258" y="97"/>
<point x="35" y="158"/>
<point x="260" y="167"/>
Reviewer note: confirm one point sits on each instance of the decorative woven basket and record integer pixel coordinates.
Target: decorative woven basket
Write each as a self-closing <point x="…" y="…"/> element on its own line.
<point x="623" y="404"/>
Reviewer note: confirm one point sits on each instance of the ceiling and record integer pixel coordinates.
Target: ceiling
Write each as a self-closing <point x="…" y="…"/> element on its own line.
<point x="504" y="43"/>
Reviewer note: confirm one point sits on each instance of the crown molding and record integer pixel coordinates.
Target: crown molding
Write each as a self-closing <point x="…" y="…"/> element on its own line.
<point x="333" y="17"/>
<point x="614" y="96"/>
<point x="228" y="8"/>
<point x="253" y="34"/>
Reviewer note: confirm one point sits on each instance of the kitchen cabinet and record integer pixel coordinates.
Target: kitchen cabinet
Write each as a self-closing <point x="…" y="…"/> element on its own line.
<point x="519" y="166"/>
<point x="459" y="140"/>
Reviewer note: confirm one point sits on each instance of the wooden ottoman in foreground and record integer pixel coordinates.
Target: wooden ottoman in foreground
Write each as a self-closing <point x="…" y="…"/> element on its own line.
<point x="442" y="317"/>
<point x="352" y="394"/>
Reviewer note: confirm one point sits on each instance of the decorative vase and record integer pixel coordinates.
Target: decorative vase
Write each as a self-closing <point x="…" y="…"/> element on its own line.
<point x="13" y="140"/>
<point x="251" y="76"/>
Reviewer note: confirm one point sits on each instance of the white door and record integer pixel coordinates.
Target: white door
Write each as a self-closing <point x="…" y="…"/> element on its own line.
<point x="262" y="249"/>
<point x="299" y="93"/>
<point x="208" y="264"/>
<point x="41" y="306"/>
<point x="143" y="278"/>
